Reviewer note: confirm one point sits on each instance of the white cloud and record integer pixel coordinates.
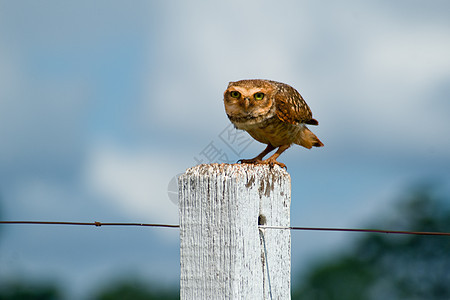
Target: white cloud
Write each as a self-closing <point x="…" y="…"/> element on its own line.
<point x="135" y="181"/>
<point x="416" y="57"/>
<point x="401" y="69"/>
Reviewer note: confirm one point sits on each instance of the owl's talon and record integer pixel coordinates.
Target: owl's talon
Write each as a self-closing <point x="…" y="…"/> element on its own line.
<point x="273" y="162"/>
<point x="255" y="161"/>
<point x="249" y="161"/>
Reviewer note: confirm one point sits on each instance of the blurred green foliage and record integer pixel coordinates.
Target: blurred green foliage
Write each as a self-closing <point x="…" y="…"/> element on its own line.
<point x="382" y="266"/>
<point x="136" y="290"/>
<point x="16" y="290"/>
<point x="116" y="290"/>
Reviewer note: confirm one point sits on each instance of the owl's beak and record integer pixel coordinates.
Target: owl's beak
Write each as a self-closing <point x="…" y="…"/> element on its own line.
<point x="246" y="102"/>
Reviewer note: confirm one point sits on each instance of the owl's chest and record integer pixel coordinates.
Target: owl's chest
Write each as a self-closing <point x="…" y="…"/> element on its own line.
<point x="272" y="131"/>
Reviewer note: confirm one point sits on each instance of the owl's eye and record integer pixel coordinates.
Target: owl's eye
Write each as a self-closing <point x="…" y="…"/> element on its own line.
<point x="235" y="94"/>
<point x="259" y="96"/>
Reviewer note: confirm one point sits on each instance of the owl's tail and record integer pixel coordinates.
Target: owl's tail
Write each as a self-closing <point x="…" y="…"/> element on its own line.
<point x="308" y="139"/>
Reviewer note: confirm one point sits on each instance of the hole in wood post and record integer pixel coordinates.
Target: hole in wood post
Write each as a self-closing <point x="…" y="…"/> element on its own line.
<point x="262" y="220"/>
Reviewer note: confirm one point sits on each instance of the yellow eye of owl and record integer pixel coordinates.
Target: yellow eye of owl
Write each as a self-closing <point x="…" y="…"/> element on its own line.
<point x="235" y="94"/>
<point x="259" y="96"/>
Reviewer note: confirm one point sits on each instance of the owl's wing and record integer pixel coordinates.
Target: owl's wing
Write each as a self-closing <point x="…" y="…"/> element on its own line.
<point x="291" y="108"/>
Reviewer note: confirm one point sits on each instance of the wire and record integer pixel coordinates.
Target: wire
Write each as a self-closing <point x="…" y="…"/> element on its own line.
<point x="99" y="224"/>
<point x="358" y="230"/>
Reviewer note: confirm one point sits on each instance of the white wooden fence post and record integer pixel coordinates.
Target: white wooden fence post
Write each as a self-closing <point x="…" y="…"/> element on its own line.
<point x="224" y="254"/>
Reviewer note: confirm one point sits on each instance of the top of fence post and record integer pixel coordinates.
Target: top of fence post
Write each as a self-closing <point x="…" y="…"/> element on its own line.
<point x="224" y="253"/>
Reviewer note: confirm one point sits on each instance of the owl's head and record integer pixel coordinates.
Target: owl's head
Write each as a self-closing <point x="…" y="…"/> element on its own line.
<point x="249" y="99"/>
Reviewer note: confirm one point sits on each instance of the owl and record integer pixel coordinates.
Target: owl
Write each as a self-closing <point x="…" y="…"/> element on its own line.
<point x="273" y="113"/>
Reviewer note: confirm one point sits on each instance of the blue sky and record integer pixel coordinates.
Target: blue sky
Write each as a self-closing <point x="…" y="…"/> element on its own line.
<point x="103" y="103"/>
